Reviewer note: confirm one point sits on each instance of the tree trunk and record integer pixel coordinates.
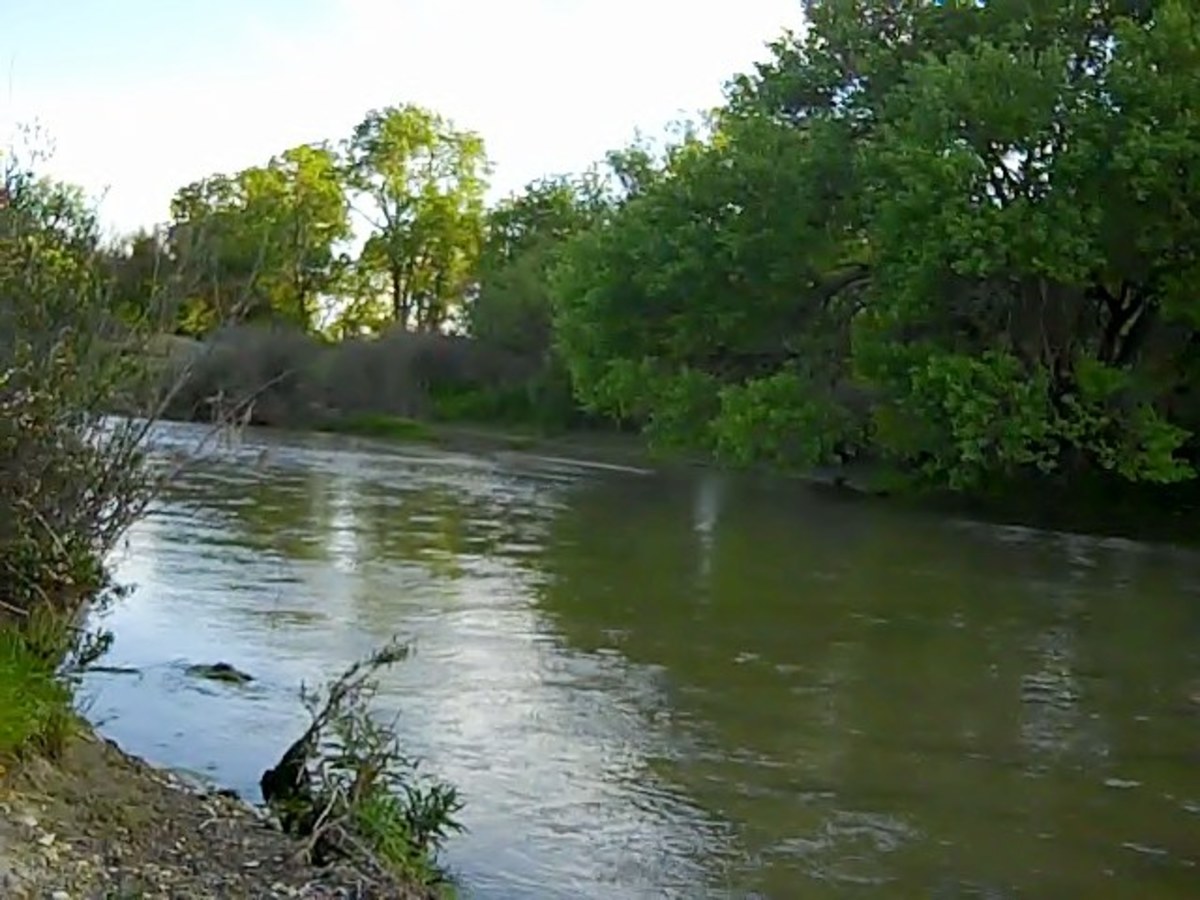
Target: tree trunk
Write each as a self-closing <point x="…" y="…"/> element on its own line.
<point x="399" y="302"/>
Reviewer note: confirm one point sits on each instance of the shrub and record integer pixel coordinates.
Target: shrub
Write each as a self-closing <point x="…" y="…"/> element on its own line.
<point x="73" y="477"/>
<point x="346" y="786"/>
<point x="284" y="377"/>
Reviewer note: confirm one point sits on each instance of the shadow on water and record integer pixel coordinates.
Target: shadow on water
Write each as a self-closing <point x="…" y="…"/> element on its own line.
<point x="880" y="697"/>
<point x="687" y="684"/>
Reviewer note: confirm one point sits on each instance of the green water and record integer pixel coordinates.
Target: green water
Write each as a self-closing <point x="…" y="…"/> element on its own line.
<point x="657" y="684"/>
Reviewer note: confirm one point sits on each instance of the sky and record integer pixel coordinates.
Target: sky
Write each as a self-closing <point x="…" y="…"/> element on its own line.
<point x="140" y="97"/>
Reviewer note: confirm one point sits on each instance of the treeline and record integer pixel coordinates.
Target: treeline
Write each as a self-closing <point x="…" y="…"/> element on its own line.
<point x="959" y="237"/>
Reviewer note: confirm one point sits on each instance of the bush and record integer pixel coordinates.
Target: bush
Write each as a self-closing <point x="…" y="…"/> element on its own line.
<point x="72" y="476"/>
<point x="285" y="377"/>
<point x="346" y="786"/>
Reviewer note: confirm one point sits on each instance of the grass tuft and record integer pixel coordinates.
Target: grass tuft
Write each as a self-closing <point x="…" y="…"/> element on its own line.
<point x="36" y="712"/>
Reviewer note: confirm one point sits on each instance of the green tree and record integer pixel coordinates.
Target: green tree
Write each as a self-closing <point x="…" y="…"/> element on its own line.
<point x="421" y="182"/>
<point x="298" y="205"/>
<point x="720" y="270"/>
<point x="141" y="273"/>
<point x="265" y="238"/>
<point x="512" y="306"/>
<point x="208" y="236"/>
<point x="976" y="223"/>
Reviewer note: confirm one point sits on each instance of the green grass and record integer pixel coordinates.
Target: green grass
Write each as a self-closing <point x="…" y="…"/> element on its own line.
<point x="381" y="425"/>
<point x="36" y="713"/>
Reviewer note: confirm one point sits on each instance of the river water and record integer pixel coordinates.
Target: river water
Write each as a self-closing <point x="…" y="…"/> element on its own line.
<point x="683" y="684"/>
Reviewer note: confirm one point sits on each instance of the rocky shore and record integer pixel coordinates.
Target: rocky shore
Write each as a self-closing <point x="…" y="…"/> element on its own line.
<point x="99" y="824"/>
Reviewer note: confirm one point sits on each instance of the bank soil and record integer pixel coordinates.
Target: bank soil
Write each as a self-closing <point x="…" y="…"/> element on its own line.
<point x="99" y="824"/>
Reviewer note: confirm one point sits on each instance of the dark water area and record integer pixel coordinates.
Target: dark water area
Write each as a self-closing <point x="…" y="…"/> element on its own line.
<point x="684" y="684"/>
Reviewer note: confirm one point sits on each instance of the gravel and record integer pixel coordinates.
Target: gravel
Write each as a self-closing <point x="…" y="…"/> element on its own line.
<point x="99" y="824"/>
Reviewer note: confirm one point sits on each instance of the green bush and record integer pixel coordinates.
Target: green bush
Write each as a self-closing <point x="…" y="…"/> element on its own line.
<point x="347" y="788"/>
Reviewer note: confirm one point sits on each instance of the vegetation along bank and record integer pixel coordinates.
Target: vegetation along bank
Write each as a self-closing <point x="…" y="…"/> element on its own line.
<point x="951" y="238"/>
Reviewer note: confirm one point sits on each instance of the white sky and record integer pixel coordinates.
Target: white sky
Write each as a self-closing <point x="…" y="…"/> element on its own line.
<point x="143" y="96"/>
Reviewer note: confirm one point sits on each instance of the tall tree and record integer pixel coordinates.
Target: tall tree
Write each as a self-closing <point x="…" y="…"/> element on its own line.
<point x="264" y="238"/>
<point x="298" y="205"/>
<point x="207" y="236"/>
<point x="982" y="216"/>
<point x="420" y="181"/>
<point x="140" y="270"/>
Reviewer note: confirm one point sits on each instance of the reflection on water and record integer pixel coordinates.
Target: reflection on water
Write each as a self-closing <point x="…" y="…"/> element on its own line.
<point x="685" y="685"/>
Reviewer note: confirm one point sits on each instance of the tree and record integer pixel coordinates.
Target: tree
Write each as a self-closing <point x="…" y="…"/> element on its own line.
<point x="208" y="235"/>
<point x="301" y="203"/>
<point x="979" y="218"/>
<point x="139" y="269"/>
<point x="512" y="305"/>
<point x="421" y="183"/>
<point x="706" y="281"/>
<point x="1028" y="241"/>
<point x="265" y="238"/>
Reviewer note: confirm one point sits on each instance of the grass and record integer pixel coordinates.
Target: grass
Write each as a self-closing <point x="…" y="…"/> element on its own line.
<point x="36" y="712"/>
<point x="381" y="425"/>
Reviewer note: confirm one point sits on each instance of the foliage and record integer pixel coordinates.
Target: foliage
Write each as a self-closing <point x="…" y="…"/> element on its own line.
<point x="346" y="786"/>
<point x="512" y="306"/>
<point x="713" y="275"/>
<point x="264" y="239"/>
<point x="777" y="420"/>
<point x="421" y="182"/>
<point x="962" y="236"/>
<point x="72" y="477"/>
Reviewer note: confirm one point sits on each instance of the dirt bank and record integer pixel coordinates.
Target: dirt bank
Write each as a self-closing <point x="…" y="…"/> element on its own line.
<point x="101" y="825"/>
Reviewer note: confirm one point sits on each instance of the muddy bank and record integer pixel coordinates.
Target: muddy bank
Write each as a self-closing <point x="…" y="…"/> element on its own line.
<point x="101" y="824"/>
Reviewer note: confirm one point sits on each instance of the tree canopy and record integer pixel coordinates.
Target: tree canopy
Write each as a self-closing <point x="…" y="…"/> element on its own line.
<point x="263" y="241"/>
<point x="957" y="236"/>
<point x="422" y="181"/>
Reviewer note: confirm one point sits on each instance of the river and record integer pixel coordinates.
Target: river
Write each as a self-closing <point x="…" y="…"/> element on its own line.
<point x="683" y="683"/>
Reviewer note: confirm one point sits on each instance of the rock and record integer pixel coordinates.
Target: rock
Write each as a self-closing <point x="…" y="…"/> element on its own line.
<point x="220" y="671"/>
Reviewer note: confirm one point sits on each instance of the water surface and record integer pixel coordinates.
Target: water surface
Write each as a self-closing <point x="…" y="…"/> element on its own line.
<point x="652" y="684"/>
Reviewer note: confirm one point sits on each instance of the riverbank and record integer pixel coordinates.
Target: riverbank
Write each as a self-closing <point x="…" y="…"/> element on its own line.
<point x="1087" y="505"/>
<point x="611" y="447"/>
<point x="97" y="823"/>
